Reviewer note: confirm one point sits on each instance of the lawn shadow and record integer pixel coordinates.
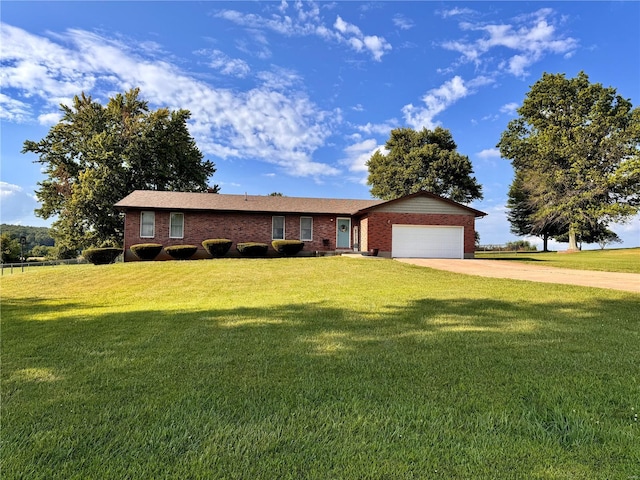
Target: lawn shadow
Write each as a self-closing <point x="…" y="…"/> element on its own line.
<point x="514" y="258"/>
<point x="448" y="375"/>
<point x="310" y="328"/>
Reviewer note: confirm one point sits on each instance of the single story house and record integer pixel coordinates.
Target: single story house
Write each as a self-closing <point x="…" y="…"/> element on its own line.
<point x="418" y="225"/>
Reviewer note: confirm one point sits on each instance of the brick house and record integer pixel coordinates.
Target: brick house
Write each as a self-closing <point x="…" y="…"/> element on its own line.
<point x="417" y="225"/>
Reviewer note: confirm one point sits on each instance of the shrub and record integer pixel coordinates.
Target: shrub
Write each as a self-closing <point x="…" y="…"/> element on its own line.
<point x="520" y="245"/>
<point x="181" y="252"/>
<point x="287" y="247"/>
<point x="146" y="251"/>
<point x="101" y="256"/>
<point x="252" y="249"/>
<point x="217" y="247"/>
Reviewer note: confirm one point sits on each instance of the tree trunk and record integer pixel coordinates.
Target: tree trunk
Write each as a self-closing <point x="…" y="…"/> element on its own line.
<point x="573" y="244"/>
<point x="545" y="243"/>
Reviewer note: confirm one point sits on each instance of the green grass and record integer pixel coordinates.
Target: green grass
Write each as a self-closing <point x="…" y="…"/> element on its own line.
<point x="626" y="260"/>
<point x="314" y="368"/>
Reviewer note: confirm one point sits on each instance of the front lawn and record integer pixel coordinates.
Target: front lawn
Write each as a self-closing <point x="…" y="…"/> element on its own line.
<point x="626" y="260"/>
<point x="314" y="368"/>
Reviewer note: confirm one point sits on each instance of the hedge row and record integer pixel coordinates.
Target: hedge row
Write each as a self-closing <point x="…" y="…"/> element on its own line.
<point x="217" y="247"/>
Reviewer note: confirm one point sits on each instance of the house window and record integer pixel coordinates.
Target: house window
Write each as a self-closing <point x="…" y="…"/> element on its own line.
<point x="147" y="224"/>
<point x="306" y="229"/>
<point x="176" y="225"/>
<point x="277" y="230"/>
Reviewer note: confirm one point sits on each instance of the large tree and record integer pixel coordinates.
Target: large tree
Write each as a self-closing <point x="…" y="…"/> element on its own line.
<point x="425" y="160"/>
<point x="575" y="151"/>
<point x="521" y="214"/>
<point x="95" y="155"/>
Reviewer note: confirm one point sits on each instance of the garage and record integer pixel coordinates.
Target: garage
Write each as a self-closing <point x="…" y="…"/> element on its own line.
<point x="419" y="241"/>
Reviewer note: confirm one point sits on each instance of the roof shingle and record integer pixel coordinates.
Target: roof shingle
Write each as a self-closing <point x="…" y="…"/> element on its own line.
<point x="241" y="203"/>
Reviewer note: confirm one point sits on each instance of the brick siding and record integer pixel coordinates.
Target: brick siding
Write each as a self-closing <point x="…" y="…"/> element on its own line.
<point x="237" y="227"/>
<point x="380" y="227"/>
<point x="375" y="230"/>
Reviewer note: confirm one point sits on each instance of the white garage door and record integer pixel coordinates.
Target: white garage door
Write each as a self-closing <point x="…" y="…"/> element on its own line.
<point x="417" y="241"/>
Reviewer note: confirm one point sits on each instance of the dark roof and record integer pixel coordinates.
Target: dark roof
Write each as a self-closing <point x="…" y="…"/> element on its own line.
<point x="141" y="199"/>
<point x="151" y="199"/>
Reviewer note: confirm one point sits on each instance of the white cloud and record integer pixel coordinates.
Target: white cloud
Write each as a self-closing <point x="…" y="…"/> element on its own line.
<point x="37" y="67"/>
<point x="280" y="78"/>
<point x="356" y="157"/>
<point x="346" y="28"/>
<point x="282" y="128"/>
<point x="226" y="65"/>
<point x="13" y="110"/>
<point x="359" y="153"/>
<point x="307" y="21"/>
<point x="489" y="153"/>
<point x="378" y="128"/>
<point x="49" y="119"/>
<point x="455" y="12"/>
<point x="509" y="108"/>
<point x="436" y="101"/>
<point x="529" y="38"/>
<point x="402" y="22"/>
<point x="16" y="205"/>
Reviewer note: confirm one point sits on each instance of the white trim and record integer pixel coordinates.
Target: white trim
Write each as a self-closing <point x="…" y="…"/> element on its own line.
<point x="153" y="215"/>
<point x="310" y="239"/>
<point x="171" y="214"/>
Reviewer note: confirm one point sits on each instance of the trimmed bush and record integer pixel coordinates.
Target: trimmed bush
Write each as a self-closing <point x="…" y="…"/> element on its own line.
<point x="287" y="247"/>
<point x="252" y="249"/>
<point x="101" y="256"/>
<point x="146" y="251"/>
<point x="217" y="247"/>
<point x="181" y="252"/>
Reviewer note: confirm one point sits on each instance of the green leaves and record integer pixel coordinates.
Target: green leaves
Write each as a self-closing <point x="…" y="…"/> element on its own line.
<point x="574" y="149"/>
<point x="96" y="155"/>
<point x="422" y="161"/>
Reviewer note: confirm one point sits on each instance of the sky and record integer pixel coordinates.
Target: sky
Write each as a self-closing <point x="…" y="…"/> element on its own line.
<point x="294" y="97"/>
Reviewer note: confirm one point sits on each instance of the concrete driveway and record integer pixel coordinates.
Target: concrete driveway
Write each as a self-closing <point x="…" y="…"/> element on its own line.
<point x="628" y="282"/>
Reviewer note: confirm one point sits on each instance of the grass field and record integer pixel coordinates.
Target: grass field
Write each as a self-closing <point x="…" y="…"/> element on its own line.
<point x="314" y="368"/>
<point x="625" y="260"/>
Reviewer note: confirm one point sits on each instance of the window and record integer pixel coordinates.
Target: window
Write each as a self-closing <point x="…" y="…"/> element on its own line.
<point x="277" y="230"/>
<point x="306" y="229"/>
<point x="147" y="224"/>
<point x="176" y="225"/>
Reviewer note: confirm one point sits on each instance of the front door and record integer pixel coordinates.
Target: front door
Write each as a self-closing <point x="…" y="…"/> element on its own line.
<point x="343" y="239"/>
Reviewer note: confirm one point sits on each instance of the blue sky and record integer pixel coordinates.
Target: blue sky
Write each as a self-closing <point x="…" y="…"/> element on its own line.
<point x="294" y="97"/>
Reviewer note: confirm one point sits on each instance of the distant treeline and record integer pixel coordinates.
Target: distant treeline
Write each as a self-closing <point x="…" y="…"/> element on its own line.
<point x="38" y="242"/>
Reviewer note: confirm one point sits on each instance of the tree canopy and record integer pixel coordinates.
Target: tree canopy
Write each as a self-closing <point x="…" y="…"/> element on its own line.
<point x="521" y="215"/>
<point x="34" y="236"/>
<point x="425" y="160"/>
<point x="575" y="152"/>
<point x="9" y="248"/>
<point x="96" y="155"/>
